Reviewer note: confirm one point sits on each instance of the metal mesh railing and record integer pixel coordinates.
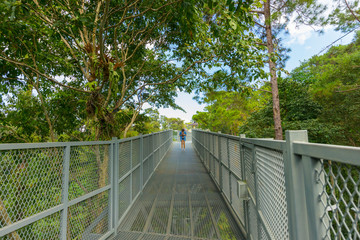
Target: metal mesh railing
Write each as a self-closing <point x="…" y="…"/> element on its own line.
<point x="263" y="215"/>
<point x="295" y="190"/>
<point x="334" y="173"/>
<point x="143" y="155"/>
<point x="75" y="190"/>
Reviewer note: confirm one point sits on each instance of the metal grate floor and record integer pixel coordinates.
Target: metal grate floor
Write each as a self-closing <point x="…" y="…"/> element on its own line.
<point x="179" y="202"/>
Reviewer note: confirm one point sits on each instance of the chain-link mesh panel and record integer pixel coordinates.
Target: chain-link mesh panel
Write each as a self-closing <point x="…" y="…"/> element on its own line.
<point x="253" y="221"/>
<point x="30" y="182"/>
<point x="160" y="218"/>
<point x="145" y="170"/>
<point x="249" y="173"/>
<point x="89" y="169"/>
<point x="151" y="164"/>
<point x="89" y="218"/>
<point x="234" y="155"/>
<point x="146" y="151"/>
<point x="224" y="151"/>
<point x="46" y="228"/>
<point x="181" y="211"/>
<point x="217" y="172"/>
<point x="136" y="182"/>
<point x="264" y="235"/>
<point x="227" y="227"/>
<point x="151" y="144"/>
<point x="203" y="225"/>
<point x="124" y="195"/>
<point x="124" y="158"/>
<point x="340" y="197"/>
<point x="216" y="146"/>
<point x="135" y="152"/>
<point x="208" y="142"/>
<point x="272" y="191"/>
<point x="212" y="164"/>
<point x="225" y="182"/>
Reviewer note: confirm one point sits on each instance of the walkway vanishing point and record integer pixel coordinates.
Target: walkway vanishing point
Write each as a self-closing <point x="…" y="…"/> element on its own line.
<point x="179" y="202"/>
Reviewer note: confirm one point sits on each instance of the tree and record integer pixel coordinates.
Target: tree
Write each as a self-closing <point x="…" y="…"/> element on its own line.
<point x="300" y="112"/>
<point x="335" y="85"/>
<point x="345" y="16"/>
<point x="269" y="18"/>
<point x="174" y="123"/>
<point x="117" y="54"/>
<point x="227" y="111"/>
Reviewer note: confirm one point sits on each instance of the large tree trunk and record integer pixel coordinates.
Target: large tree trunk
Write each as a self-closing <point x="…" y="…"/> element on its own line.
<point x="272" y="67"/>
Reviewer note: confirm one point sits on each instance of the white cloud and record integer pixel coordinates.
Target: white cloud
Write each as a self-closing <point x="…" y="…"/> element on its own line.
<point x="300" y="33"/>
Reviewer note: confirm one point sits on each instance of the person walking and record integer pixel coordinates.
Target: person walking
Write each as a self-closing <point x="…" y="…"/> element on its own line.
<point x="182" y="135"/>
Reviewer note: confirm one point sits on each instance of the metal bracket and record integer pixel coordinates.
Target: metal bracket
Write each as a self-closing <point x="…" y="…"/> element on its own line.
<point x="242" y="191"/>
<point x="317" y="176"/>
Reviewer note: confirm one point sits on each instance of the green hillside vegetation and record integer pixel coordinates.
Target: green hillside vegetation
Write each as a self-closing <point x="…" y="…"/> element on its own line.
<point x="322" y="96"/>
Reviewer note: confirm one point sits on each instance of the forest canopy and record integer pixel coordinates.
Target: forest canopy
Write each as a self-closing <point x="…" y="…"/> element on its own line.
<point x="83" y="70"/>
<point x="321" y="96"/>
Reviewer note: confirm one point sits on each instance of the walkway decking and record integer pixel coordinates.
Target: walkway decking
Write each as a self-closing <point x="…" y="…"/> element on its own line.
<point x="179" y="202"/>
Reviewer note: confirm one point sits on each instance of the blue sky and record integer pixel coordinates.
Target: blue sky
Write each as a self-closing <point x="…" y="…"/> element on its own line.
<point x="304" y="43"/>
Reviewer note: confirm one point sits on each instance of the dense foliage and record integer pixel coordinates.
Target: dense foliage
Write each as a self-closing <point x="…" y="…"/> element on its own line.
<point x="102" y="61"/>
<point x="321" y="96"/>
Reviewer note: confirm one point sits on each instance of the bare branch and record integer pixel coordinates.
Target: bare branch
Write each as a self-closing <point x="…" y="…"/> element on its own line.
<point x="357" y="87"/>
<point x="260" y="25"/>
<point x="142" y="13"/>
<point x="257" y="11"/>
<point x="42" y="74"/>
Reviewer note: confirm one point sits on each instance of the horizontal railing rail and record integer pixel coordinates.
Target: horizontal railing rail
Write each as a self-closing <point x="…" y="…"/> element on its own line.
<point x="285" y="189"/>
<point x="74" y="190"/>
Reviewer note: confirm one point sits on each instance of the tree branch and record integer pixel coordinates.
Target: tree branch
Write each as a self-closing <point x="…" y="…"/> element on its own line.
<point x="42" y="74"/>
<point x="260" y="25"/>
<point x="352" y="12"/>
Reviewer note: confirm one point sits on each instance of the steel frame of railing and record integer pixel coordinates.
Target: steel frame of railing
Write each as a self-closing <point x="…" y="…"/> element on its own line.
<point x="157" y="145"/>
<point x="289" y="185"/>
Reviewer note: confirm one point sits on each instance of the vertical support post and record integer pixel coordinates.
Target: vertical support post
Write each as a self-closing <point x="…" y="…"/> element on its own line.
<point x="141" y="162"/>
<point x="115" y="170"/>
<point x="242" y="158"/>
<point x="65" y="193"/>
<point x="213" y="154"/>
<point x="131" y="171"/>
<point x="295" y="189"/>
<point x="112" y="185"/>
<point x="313" y="188"/>
<point x="243" y="178"/>
<point x="228" y="159"/>
<point x="220" y="162"/>
<point x="254" y="171"/>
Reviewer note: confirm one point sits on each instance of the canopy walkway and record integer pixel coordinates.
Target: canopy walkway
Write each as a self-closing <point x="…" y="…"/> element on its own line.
<point x="221" y="187"/>
<point x="180" y="201"/>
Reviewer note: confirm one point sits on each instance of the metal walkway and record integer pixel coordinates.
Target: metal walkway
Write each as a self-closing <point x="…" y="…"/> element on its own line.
<point x="179" y="202"/>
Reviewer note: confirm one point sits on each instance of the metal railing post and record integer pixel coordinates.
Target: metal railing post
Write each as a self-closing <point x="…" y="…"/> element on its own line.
<point x="245" y="203"/>
<point x="313" y="188"/>
<point x="65" y="194"/>
<point x="295" y="189"/>
<point x="111" y="195"/>
<point x="141" y="162"/>
<point x="220" y="162"/>
<point x="255" y="177"/>
<point x="228" y="156"/>
<point x="131" y="171"/>
<point x="115" y="171"/>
